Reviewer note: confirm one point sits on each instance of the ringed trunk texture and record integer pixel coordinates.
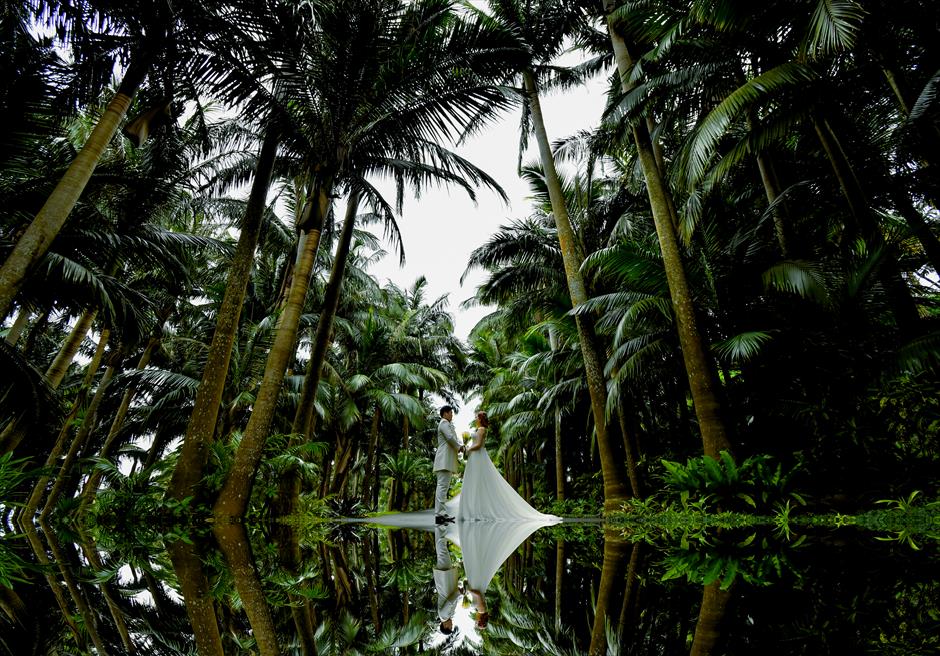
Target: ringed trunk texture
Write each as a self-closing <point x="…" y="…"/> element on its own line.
<point x="701" y="379"/>
<point x="197" y="597"/>
<point x="304" y="415"/>
<point x="201" y="429"/>
<point x="233" y="499"/>
<point x="614" y="490"/>
<point x="35" y="241"/>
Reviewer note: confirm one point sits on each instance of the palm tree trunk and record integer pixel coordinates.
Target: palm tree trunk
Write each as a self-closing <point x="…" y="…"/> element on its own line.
<point x="91" y="554"/>
<point x="898" y="294"/>
<point x="39" y="489"/>
<point x="89" y="619"/>
<point x="88" y="423"/>
<point x="304" y="415"/>
<point x="370" y="480"/>
<point x="35" y="241"/>
<point x="233" y="499"/>
<point x="629" y="596"/>
<point x="233" y="540"/>
<point x="60" y="364"/>
<point x="615" y="549"/>
<point x="628" y="447"/>
<point x="559" y="580"/>
<point x="197" y="597"/>
<point x="698" y="369"/>
<point x="16" y="330"/>
<point x="707" y="630"/>
<point x="614" y="490"/>
<point x="94" y="479"/>
<point x="201" y="429"/>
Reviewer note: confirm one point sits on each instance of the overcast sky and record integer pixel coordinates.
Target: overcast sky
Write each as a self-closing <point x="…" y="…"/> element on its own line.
<point x="440" y="229"/>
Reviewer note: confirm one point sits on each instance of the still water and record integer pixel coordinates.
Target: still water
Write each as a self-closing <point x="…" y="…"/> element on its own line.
<point x="572" y="588"/>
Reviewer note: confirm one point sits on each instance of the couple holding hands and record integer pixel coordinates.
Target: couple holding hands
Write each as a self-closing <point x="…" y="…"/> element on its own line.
<point x="485" y="494"/>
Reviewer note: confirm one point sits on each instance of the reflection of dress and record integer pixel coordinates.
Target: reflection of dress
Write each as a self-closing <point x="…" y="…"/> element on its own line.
<point x="485" y="494"/>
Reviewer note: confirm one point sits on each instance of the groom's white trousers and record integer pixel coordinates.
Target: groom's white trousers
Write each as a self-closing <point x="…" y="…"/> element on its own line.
<point x="443" y="487"/>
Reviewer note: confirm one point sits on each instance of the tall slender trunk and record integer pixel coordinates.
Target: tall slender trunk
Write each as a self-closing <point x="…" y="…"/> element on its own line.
<point x="197" y="596"/>
<point x="60" y="364"/>
<point x="94" y="479"/>
<point x="46" y="567"/>
<point x="39" y="489"/>
<point x="201" y="428"/>
<point x="370" y="480"/>
<point x="35" y="240"/>
<point x="233" y="499"/>
<point x="628" y="447"/>
<point x="304" y="415"/>
<point x="91" y="554"/>
<point x="16" y="330"/>
<point x="629" y="593"/>
<point x="697" y="365"/>
<point x="614" y="490"/>
<point x="233" y="539"/>
<point x="559" y="582"/>
<point x="64" y="477"/>
<point x="711" y="612"/>
<point x="615" y="549"/>
<point x="89" y="617"/>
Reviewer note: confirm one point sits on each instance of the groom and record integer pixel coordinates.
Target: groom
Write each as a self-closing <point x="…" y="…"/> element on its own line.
<point x="445" y="462"/>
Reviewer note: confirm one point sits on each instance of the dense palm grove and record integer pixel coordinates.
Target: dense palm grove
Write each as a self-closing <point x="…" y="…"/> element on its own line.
<point x="740" y="256"/>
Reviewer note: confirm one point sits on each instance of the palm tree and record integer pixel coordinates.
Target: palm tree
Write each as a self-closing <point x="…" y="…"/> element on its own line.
<point x="148" y="36"/>
<point x="541" y="28"/>
<point x="701" y="380"/>
<point x="383" y="110"/>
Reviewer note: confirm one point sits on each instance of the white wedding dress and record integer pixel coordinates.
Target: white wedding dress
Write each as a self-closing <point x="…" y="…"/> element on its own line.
<point x="486" y="496"/>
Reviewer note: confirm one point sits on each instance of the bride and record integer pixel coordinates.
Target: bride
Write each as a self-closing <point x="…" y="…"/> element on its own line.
<point x="485" y="494"/>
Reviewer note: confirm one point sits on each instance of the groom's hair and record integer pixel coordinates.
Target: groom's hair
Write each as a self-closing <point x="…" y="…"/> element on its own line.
<point x="445" y="630"/>
<point x="446" y="408"/>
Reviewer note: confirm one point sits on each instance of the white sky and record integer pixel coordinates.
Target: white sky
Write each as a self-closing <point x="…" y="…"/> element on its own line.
<point x="440" y="230"/>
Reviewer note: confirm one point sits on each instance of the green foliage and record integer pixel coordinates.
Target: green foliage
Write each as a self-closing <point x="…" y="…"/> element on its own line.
<point x="757" y="484"/>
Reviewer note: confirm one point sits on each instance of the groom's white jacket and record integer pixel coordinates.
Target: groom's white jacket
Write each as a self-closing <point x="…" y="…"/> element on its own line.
<point x="445" y="459"/>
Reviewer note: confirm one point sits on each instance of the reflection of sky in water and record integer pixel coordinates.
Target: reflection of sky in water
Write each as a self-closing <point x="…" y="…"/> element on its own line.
<point x="465" y="627"/>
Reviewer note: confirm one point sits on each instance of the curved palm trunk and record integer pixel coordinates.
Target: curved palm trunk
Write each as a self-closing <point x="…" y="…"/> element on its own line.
<point x="39" y="489"/>
<point x="304" y="415"/>
<point x="614" y="490"/>
<point x="199" y="603"/>
<point x="94" y="479"/>
<point x="201" y="429"/>
<point x="233" y="499"/>
<point x="708" y="628"/>
<point x="35" y="241"/>
<point x="64" y="478"/>
<point x="233" y="539"/>
<point x="701" y="380"/>
<point x="615" y="550"/>
<point x="60" y="364"/>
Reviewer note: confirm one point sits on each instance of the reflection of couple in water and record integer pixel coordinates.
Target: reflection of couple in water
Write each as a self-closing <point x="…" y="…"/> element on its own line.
<point x="450" y="590"/>
<point x="492" y="520"/>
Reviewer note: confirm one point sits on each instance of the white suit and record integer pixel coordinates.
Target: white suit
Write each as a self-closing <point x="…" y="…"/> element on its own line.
<point x="445" y="577"/>
<point x="445" y="462"/>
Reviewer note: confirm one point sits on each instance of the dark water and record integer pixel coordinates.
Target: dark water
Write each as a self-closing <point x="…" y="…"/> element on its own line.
<point x="357" y="589"/>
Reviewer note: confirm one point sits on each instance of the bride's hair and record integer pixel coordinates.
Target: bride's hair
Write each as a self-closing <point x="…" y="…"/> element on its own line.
<point x="482" y="419"/>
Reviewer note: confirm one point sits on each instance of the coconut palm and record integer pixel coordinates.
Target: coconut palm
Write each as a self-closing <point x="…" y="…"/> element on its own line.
<point x="383" y="111"/>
